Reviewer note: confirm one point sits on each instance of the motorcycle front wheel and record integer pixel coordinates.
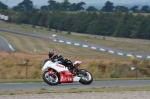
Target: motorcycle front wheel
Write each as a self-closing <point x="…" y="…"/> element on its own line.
<point x="86" y="77"/>
<point x="51" y="79"/>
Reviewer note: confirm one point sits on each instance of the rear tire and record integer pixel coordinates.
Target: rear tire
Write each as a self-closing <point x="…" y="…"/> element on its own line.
<point x="51" y="79"/>
<point x="86" y="79"/>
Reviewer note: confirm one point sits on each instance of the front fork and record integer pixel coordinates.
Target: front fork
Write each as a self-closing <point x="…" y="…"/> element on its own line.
<point x="50" y="71"/>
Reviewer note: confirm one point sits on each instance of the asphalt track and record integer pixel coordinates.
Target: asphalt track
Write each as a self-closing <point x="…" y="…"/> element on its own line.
<point x="4" y="44"/>
<point x="95" y="84"/>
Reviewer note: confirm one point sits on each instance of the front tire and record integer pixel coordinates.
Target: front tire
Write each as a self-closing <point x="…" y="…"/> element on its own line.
<point x="87" y="78"/>
<point x="51" y="79"/>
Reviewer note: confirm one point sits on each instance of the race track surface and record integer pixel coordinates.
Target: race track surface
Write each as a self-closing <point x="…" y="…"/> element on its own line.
<point x="95" y="84"/>
<point x="4" y="44"/>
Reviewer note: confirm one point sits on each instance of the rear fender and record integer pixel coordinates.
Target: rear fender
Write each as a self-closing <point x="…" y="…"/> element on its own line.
<point x="77" y="63"/>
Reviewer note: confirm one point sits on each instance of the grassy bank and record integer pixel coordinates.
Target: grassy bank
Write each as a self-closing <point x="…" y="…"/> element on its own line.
<point x="25" y="44"/>
<point x="12" y="67"/>
<point x="135" y="48"/>
<point x="100" y="64"/>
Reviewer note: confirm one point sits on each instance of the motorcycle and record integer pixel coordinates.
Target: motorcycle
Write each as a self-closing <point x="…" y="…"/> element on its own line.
<point x="54" y="74"/>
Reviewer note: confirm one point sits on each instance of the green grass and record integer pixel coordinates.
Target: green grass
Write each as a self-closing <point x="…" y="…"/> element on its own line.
<point x="29" y="44"/>
<point x="24" y="28"/>
<point x="113" y="45"/>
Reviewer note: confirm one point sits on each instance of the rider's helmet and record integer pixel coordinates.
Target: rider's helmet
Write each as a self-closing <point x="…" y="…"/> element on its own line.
<point x="52" y="53"/>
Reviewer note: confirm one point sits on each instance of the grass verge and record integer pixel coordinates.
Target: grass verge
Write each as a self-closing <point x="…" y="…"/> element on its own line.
<point x="40" y="80"/>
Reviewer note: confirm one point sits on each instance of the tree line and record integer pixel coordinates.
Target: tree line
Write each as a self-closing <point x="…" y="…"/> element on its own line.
<point x="105" y="23"/>
<point x="53" y="5"/>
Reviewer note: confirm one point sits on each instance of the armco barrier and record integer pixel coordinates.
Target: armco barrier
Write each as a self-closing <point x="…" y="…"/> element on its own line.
<point x="98" y="48"/>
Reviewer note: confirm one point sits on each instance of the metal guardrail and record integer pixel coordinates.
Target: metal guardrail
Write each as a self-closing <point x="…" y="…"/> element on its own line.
<point x="74" y="43"/>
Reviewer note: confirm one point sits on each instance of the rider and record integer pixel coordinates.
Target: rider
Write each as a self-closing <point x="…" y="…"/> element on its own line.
<point x="60" y="60"/>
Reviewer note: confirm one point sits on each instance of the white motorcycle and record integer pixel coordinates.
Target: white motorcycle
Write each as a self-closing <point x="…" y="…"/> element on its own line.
<point x="54" y="74"/>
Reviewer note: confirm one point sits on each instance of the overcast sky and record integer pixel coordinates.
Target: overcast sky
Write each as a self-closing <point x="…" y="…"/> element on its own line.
<point x="44" y="2"/>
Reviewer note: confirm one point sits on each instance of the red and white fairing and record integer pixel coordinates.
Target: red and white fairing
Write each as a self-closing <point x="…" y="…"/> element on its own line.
<point x="77" y="63"/>
<point x="65" y="75"/>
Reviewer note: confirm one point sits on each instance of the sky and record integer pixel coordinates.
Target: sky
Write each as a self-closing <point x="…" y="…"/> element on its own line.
<point x="11" y="3"/>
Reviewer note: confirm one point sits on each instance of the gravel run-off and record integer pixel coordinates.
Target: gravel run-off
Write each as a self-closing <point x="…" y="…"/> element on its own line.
<point x="84" y="95"/>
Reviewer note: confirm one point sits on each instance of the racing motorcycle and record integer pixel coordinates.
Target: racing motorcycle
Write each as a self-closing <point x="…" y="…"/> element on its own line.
<point x="54" y="74"/>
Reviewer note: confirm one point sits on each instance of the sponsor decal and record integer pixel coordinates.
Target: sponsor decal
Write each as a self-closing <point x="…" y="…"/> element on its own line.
<point x="66" y="79"/>
<point x="59" y="65"/>
<point x="66" y="76"/>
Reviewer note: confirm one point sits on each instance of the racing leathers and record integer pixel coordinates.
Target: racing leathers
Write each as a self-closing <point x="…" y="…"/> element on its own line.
<point x="66" y="62"/>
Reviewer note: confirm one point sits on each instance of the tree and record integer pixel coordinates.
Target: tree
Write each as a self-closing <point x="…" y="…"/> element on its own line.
<point x="44" y="8"/>
<point x="42" y="21"/>
<point x="73" y="7"/>
<point x="124" y="25"/>
<point x="25" y="17"/>
<point x="65" y="5"/>
<point x="143" y="28"/>
<point x="24" y="6"/>
<point x="121" y="9"/>
<point x="52" y="4"/>
<point x="3" y="6"/>
<point x="19" y="8"/>
<point x="147" y="33"/>
<point x="109" y="7"/>
<point x="136" y="21"/>
<point x="28" y="4"/>
<point x="91" y="8"/>
<point x="145" y="9"/>
<point x="134" y="9"/>
<point x="34" y="20"/>
<point x="94" y="27"/>
<point x="79" y="6"/>
<point x="80" y="23"/>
